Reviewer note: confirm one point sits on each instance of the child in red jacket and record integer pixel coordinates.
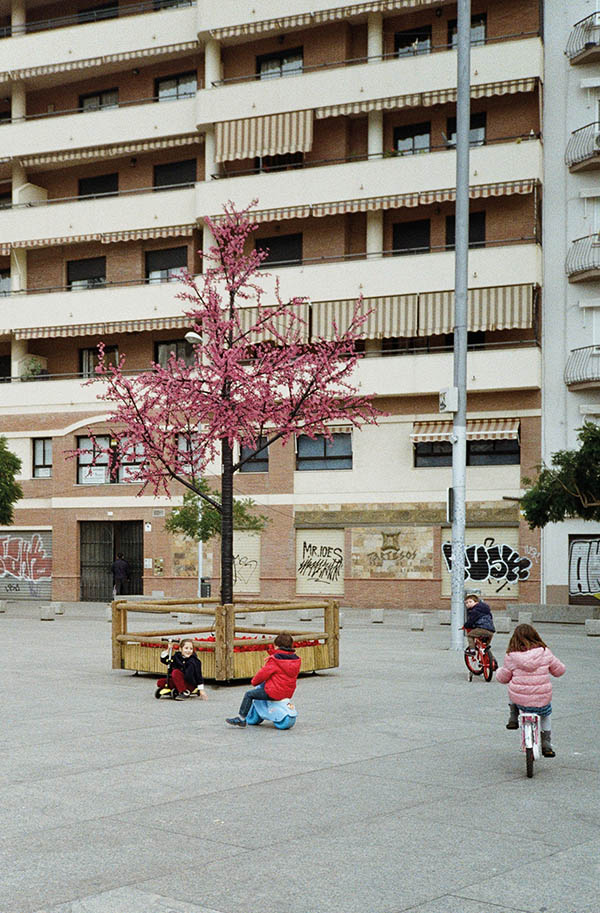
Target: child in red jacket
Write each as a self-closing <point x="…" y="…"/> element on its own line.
<point x="275" y="681"/>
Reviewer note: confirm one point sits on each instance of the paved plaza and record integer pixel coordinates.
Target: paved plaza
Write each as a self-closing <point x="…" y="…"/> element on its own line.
<point x="399" y="789"/>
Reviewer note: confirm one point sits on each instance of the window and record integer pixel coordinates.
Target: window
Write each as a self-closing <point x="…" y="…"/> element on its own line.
<point x="257" y="463"/>
<point x="100" y="185"/>
<point x="281" y="249"/>
<point x="284" y="63"/>
<point x="180" y="348"/>
<point x="478" y="30"/>
<point x="413" y="41"/>
<point x="479" y="453"/>
<point x="96" y="100"/>
<point x="493" y="453"/>
<point x="279" y="162"/>
<point x="88" y="273"/>
<point x="189" y="444"/>
<point x="412" y="237"/>
<point x="88" y="359"/>
<point x="476" y="230"/>
<point x="170" y="88"/>
<point x="319" y="453"/>
<point x="476" y="130"/>
<point x="165" y="265"/>
<point x="174" y="173"/>
<point x="5" y="200"/>
<point x="433" y="453"/>
<point x="412" y="138"/>
<point x="4" y="282"/>
<point x="5" y="369"/>
<point x="100" y="473"/>
<point x="94" y="13"/>
<point x="42" y="457"/>
<point x="132" y="457"/>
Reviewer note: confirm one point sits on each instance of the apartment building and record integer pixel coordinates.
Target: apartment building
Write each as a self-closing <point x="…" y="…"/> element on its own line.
<point x="123" y="126"/>
<point x="571" y="344"/>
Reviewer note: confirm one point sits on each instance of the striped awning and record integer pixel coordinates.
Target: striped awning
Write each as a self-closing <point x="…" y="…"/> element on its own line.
<point x="99" y="329"/>
<point x="480" y="429"/>
<point x="143" y="234"/>
<point x="302" y="20"/>
<point x="66" y="66"/>
<point x="426" y="99"/>
<point x="366" y="204"/>
<point x="249" y="316"/>
<point x="100" y="152"/>
<point x="392" y="315"/>
<point x="502" y="307"/>
<point x="273" y="134"/>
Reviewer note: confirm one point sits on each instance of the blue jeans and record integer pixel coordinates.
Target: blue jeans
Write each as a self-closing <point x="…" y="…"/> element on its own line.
<point x="255" y="694"/>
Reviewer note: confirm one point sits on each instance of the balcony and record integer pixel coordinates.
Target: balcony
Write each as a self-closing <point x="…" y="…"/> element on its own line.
<point x="214" y="14"/>
<point x="504" y="60"/>
<point x="582" y="370"/>
<point x="67" y="131"/>
<point x="583" y="45"/>
<point x="419" y="374"/>
<point x="111" y="303"/>
<point x="57" y="54"/>
<point x="94" y="218"/>
<point x="583" y="148"/>
<point x="391" y="175"/>
<point x="379" y="275"/>
<point x="583" y="259"/>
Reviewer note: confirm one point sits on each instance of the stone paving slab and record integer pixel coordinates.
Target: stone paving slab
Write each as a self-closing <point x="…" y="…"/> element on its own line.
<point x="398" y="789"/>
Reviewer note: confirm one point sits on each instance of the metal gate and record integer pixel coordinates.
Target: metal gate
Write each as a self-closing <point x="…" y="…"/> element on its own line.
<point x="100" y="543"/>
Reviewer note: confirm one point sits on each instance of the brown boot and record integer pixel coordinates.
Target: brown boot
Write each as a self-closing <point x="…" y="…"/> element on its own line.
<point x="547" y="750"/>
<point x="513" y="717"/>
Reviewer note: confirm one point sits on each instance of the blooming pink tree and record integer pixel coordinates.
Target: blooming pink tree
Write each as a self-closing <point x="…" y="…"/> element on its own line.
<point x="256" y="379"/>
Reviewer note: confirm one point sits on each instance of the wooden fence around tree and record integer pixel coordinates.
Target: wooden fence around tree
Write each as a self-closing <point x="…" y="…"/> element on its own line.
<point x="231" y="655"/>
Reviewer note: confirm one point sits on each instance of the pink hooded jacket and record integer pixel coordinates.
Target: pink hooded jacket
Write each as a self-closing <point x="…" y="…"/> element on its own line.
<point x="527" y="676"/>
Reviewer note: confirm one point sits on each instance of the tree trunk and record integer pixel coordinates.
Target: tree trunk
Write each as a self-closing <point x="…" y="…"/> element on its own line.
<point x="226" y="523"/>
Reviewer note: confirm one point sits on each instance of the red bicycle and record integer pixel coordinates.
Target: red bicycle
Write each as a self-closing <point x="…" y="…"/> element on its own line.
<point x="479" y="660"/>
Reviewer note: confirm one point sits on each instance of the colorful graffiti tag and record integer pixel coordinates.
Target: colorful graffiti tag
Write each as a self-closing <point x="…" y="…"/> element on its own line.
<point x="24" y="563"/>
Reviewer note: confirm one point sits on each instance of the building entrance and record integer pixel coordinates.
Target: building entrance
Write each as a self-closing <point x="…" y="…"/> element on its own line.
<point x="100" y="543"/>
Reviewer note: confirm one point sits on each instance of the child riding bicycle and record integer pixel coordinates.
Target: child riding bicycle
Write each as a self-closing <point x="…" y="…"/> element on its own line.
<point x="479" y="623"/>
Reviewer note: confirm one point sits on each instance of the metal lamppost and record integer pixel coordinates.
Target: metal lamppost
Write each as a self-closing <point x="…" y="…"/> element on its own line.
<point x="461" y="281"/>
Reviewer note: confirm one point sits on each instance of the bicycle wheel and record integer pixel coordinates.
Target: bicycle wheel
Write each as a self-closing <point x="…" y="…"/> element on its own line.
<point x="472" y="663"/>
<point x="488" y="667"/>
<point x="529" y="761"/>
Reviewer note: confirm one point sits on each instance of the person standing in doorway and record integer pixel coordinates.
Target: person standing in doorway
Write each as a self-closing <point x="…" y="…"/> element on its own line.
<point x="120" y="572"/>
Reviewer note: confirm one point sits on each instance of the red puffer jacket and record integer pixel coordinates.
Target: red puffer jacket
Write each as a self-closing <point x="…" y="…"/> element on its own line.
<point x="279" y="674"/>
<point x="527" y="675"/>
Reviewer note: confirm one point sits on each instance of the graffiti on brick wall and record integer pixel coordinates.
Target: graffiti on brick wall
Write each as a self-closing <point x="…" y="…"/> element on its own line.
<point x="584" y="567"/>
<point x="320" y="561"/>
<point x="246" y="562"/>
<point x="24" y="564"/>
<point x="496" y="564"/>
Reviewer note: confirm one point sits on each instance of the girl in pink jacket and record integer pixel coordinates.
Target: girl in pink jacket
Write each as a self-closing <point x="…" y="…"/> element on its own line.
<point x="527" y="667"/>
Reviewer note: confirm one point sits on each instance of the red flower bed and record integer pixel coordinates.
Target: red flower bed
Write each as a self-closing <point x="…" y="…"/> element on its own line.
<point x="238" y="648"/>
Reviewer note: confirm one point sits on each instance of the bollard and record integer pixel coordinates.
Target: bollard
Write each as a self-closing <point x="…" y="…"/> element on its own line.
<point x="376" y="616"/>
<point x="416" y="622"/>
<point x="304" y="615"/>
<point x="502" y="624"/>
<point x="525" y="618"/>
<point x="186" y="619"/>
<point x="592" y="627"/>
<point x="109" y="613"/>
<point x="341" y="619"/>
<point x="59" y="609"/>
<point x="444" y="616"/>
<point x="2" y="605"/>
<point x="46" y="613"/>
<point x="258" y="619"/>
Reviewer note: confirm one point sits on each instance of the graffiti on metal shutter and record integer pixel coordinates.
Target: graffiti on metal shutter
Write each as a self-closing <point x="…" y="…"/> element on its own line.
<point x="26" y="564"/>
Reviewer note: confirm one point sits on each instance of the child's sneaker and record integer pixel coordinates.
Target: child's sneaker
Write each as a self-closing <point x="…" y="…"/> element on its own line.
<point x="512" y="724"/>
<point x="236" y="721"/>
<point x="182" y="696"/>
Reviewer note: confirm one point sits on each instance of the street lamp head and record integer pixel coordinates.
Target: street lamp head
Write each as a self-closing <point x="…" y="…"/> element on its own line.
<point x="193" y="338"/>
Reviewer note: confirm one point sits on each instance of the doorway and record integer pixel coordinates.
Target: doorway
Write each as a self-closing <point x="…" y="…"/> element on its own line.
<point x="99" y="544"/>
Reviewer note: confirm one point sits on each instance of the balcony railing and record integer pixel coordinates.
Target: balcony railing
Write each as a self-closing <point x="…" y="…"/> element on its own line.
<point x="86" y="197"/>
<point x="583" y="256"/>
<point x="584" y="145"/>
<point x="417" y="51"/>
<point x="583" y="366"/>
<point x="157" y="99"/>
<point x="584" y="38"/>
<point x="85" y="16"/>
